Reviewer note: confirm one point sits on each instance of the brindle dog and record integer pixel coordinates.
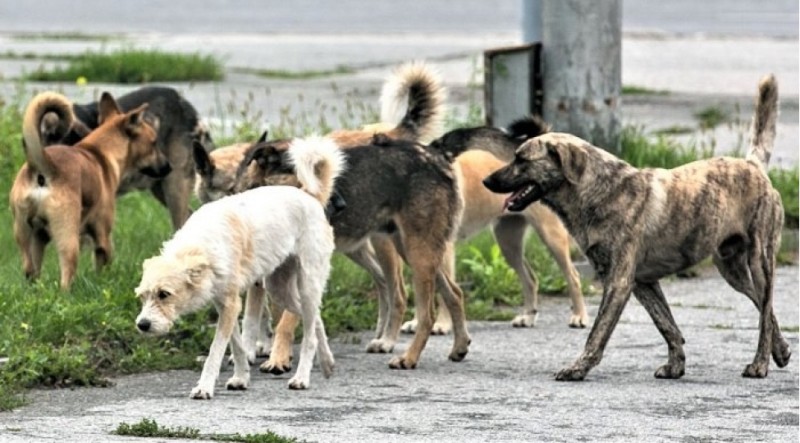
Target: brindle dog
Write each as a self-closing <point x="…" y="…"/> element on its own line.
<point x="639" y="225"/>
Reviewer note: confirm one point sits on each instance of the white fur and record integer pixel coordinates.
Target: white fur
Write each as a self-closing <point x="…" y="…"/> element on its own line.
<point x="395" y="95"/>
<point x="279" y="232"/>
<point x="307" y="154"/>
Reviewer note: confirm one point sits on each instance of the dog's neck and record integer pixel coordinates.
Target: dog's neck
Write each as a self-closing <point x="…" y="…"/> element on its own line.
<point x="107" y="153"/>
<point x="586" y="203"/>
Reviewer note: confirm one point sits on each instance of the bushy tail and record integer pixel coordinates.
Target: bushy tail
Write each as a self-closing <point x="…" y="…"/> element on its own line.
<point x="764" y="119"/>
<point x="59" y="118"/>
<point x="416" y="88"/>
<point x="317" y="162"/>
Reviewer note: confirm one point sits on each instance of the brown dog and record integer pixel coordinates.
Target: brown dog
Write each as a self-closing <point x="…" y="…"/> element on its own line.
<point x="63" y="192"/>
<point x="637" y="226"/>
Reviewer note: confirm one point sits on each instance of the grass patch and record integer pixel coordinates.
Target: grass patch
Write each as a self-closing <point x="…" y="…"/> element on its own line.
<point x="150" y="429"/>
<point x="787" y="182"/>
<point x="794" y="329"/>
<point x="674" y="130"/>
<point x="711" y="117"/>
<point x="135" y="66"/>
<point x="13" y="55"/>
<point x="644" y="151"/>
<point x="639" y="90"/>
<point x="74" y="36"/>
<point x="296" y="75"/>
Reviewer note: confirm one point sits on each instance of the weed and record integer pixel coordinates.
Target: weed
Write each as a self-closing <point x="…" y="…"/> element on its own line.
<point x="711" y="117"/>
<point x="149" y="428"/>
<point x="296" y="75"/>
<point x="794" y="329"/>
<point x="135" y="66"/>
<point x="638" y="90"/>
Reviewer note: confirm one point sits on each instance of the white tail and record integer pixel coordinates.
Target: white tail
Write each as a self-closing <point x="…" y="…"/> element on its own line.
<point x="764" y="119"/>
<point x="317" y="162"/>
<point x="414" y="97"/>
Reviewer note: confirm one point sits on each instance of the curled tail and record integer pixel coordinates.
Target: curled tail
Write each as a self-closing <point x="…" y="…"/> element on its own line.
<point x="416" y="88"/>
<point x="764" y="119"/>
<point x="318" y="161"/>
<point x="48" y="118"/>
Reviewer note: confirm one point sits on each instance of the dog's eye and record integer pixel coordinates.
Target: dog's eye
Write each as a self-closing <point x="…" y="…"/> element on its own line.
<point x="162" y="294"/>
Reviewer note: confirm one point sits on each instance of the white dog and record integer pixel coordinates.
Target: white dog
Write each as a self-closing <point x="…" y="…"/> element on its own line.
<point x="276" y="232"/>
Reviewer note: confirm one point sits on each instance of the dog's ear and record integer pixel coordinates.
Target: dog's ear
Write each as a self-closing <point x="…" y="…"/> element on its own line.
<point x="202" y="161"/>
<point x="263" y="137"/>
<point x="196" y="267"/>
<point x="135" y="119"/>
<point x="107" y="108"/>
<point x="571" y="158"/>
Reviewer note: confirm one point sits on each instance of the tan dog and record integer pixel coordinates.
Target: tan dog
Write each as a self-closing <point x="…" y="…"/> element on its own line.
<point x="637" y="226"/>
<point x="65" y="192"/>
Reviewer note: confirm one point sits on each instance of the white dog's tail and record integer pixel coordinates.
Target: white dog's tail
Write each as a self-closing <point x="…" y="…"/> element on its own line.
<point x="317" y="162"/>
<point x="417" y="89"/>
<point x="53" y="105"/>
<point x="766" y="114"/>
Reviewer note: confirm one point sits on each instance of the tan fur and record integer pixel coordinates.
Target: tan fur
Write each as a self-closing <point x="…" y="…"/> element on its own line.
<point x="64" y="192"/>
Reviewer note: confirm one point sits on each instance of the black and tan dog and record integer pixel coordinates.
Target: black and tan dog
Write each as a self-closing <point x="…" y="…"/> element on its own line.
<point x="179" y="127"/>
<point x="639" y="225"/>
<point x="400" y="191"/>
<point x="63" y="193"/>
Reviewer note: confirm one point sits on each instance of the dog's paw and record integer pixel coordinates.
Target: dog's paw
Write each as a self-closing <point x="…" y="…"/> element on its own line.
<point x="571" y="374"/>
<point x="755" y="370"/>
<point x="275" y="368"/>
<point x="441" y="328"/>
<point x="327" y="368"/>
<point x="524" y="321"/>
<point x="199" y="393"/>
<point x="262" y="349"/>
<point x="670" y="371"/>
<point x="409" y="327"/>
<point x="237" y="383"/>
<point x="380" y="346"/>
<point x="578" y="320"/>
<point x="402" y="362"/>
<point x="297" y="383"/>
<point x="781" y="353"/>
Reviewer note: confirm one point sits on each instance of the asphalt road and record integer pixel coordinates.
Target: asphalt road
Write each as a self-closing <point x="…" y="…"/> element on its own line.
<point x="503" y="391"/>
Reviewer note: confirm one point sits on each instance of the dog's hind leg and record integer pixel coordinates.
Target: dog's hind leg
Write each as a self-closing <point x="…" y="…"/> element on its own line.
<point x="281" y="284"/>
<point x="556" y="237"/>
<point x="31" y="247"/>
<point x="445" y="321"/>
<point x="241" y="367"/>
<point x="653" y="300"/>
<point x="509" y="232"/>
<point x="453" y="299"/>
<point x="103" y="247"/>
<point x="228" y="309"/>
<point x="326" y="360"/>
<point x="67" y="241"/>
<point x="308" y="296"/>
<point x="365" y="257"/>
<point x="395" y="298"/>
<point x="252" y="323"/>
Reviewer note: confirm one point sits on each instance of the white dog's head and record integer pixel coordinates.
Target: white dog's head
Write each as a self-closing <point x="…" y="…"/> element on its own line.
<point x="172" y="286"/>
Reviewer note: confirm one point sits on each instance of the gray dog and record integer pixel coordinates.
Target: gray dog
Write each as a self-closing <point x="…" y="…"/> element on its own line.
<point x="639" y="225"/>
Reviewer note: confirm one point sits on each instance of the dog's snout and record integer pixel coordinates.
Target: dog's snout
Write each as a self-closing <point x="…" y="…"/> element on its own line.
<point x="489" y="183"/>
<point x="143" y="325"/>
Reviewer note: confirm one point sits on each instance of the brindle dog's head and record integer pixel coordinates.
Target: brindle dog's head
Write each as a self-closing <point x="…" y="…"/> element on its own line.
<point x="140" y="130"/>
<point x="541" y="166"/>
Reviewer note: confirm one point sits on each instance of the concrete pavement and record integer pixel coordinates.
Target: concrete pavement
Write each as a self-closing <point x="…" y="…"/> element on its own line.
<point x="503" y="391"/>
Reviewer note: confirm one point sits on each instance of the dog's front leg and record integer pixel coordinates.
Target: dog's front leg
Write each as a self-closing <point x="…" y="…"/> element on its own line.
<point x="241" y="367"/>
<point x="616" y="292"/>
<point x="228" y="309"/>
<point x="653" y="300"/>
<point x="252" y="325"/>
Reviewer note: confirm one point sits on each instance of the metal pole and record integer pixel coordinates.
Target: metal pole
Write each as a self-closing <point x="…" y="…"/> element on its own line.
<point x="531" y="21"/>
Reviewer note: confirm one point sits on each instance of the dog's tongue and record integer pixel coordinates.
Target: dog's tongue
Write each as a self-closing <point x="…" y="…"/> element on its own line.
<point x="510" y="199"/>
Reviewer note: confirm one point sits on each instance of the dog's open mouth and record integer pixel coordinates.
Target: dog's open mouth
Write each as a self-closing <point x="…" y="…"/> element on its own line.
<point x="521" y="198"/>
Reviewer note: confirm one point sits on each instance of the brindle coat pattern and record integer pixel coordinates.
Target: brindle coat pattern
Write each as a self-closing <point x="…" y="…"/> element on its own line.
<point x="637" y="226"/>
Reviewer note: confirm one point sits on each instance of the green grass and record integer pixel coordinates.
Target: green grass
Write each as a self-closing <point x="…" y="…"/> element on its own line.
<point x="150" y="429"/>
<point x="74" y="36"/>
<point x="638" y="90"/>
<point x="711" y="117"/>
<point x="134" y="66"/>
